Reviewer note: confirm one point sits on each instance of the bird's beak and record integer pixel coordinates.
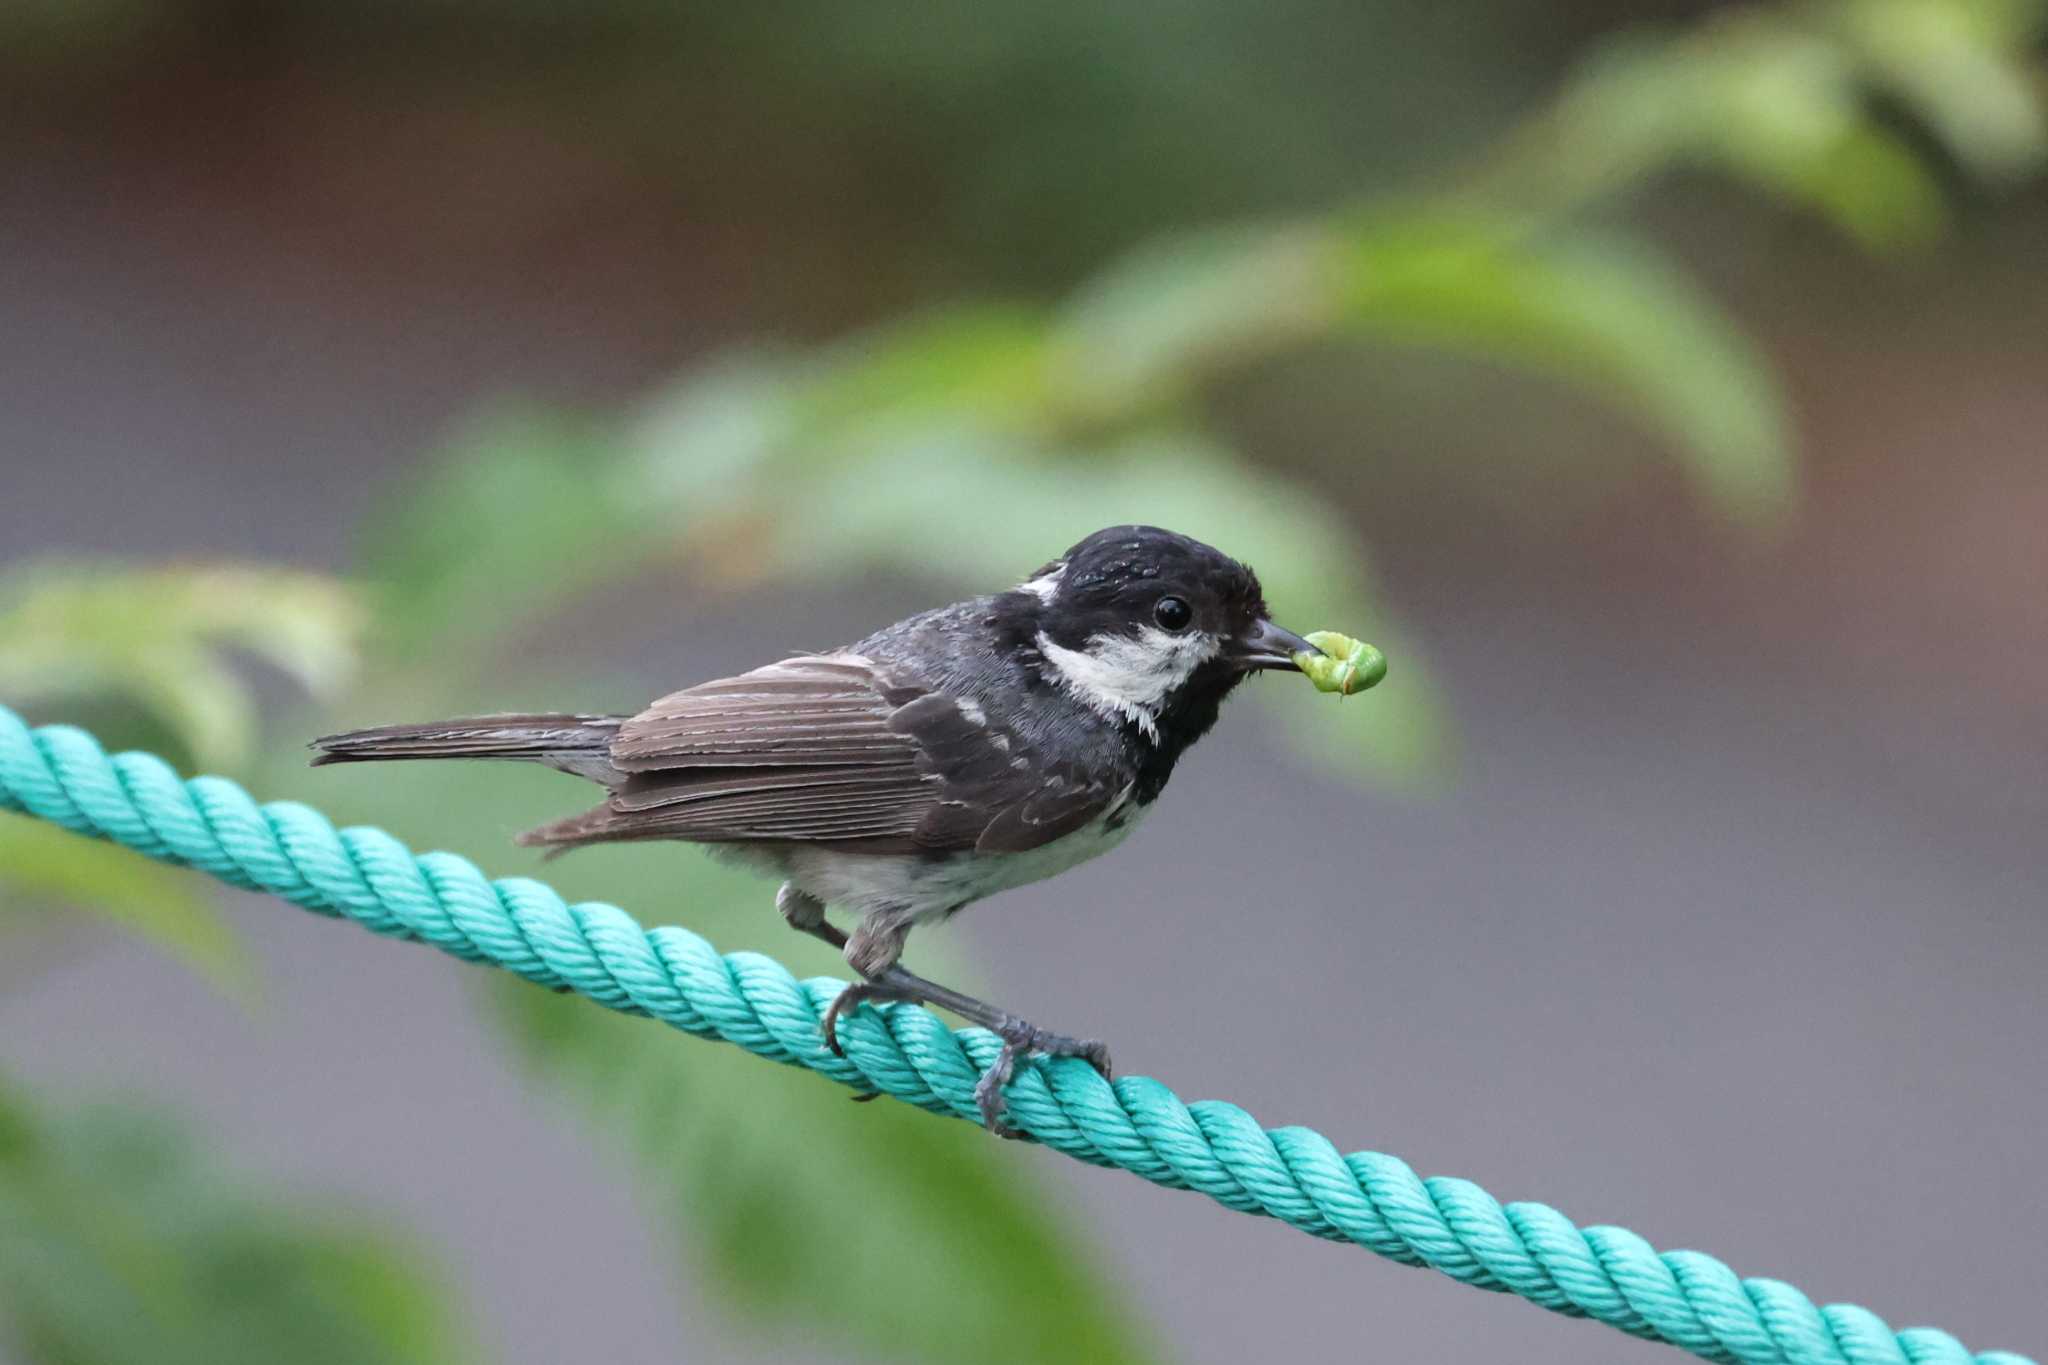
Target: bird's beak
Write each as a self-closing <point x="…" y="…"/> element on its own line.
<point x="1266" y="645"/>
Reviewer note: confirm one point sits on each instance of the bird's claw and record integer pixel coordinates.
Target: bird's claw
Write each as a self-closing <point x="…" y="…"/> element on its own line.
<point x="849" y="998"/>
<point x="1020" y="1039"/>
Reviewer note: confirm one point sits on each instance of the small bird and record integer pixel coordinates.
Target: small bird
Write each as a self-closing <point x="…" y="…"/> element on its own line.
<point x="960" y="752"/>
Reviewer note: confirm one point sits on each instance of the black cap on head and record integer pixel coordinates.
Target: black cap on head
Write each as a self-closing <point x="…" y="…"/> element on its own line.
<point x="1122" y="556"/>
<point x="1115" y="580"/>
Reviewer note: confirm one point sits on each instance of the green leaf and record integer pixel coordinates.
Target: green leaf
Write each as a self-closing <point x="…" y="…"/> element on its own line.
<point x="118" y="1244"/>
<point x="874" y="1227"/>
<point x="1755" y="97"/>
<point x="1786" y="110"/>
<point x="1961" y="65"/>
<point x="160" y="637"/>
<point x="41" y="864"/>
<point x="1611" y="316"/>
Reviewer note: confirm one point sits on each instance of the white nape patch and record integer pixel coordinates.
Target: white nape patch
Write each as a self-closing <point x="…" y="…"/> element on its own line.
<point x="1046" y="584"/>
<point x="1129" y="677"/>
<point x="971" y="709"/>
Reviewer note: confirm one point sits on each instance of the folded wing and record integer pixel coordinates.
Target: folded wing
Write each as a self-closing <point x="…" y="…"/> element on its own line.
<point x="828" y="749"/>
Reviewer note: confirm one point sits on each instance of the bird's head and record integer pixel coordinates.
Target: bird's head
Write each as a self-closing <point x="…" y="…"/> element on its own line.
<point x="1152" y="628"/>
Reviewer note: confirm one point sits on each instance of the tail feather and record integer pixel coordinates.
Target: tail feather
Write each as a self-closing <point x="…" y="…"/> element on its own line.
<point x="575" y="744"/>
<point x="597" y="826"/>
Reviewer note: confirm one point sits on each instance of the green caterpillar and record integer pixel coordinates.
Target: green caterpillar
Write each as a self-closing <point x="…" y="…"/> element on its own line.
<point x="1345" y="665"/>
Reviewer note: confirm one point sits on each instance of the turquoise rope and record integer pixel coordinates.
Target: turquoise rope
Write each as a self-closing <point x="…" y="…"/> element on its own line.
<point x="1685" y="1298"/>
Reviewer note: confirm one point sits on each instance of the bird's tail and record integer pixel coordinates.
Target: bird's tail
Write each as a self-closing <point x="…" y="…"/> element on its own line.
<point x="574" y="744"/>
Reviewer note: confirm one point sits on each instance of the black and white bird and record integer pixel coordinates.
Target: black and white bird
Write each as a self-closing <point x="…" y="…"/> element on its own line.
<point x="955" y="754"/>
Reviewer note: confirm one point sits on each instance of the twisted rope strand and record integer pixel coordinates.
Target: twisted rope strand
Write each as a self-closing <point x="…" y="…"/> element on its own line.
<point x="1684" y="1298"/>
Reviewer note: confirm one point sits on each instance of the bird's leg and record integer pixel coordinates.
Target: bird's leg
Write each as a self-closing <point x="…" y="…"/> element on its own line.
<point x="806" y="914"/>
<point x="873" y="951"/>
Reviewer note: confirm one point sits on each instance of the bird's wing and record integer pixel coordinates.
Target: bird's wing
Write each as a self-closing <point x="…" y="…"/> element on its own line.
<point x="829" y="749"/>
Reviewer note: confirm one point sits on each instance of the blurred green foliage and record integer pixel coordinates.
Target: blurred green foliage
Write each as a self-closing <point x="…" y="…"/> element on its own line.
<point x="1841" y="106"/>
<point x="119" y="1243"/>
<point x="866" y="1226"/>
<point x="155" y="650"/>
<point x="1123" y="182"/>
<point x="977" y="439"/>
<point x="43" y="872"/>
<point x="164" y="638"/>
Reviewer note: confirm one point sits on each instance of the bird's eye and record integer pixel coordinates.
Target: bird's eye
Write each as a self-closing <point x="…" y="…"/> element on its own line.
<point x="1172" y="613"/>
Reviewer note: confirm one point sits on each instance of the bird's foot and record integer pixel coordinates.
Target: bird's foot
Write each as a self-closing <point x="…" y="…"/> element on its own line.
<point x="1020" y="1039"/>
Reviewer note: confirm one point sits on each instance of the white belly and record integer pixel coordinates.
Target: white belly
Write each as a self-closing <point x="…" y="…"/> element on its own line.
<point x="924" y="888"/>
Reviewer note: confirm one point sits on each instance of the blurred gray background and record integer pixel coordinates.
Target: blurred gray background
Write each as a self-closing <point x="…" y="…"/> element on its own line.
<point x="1726" y="925"/>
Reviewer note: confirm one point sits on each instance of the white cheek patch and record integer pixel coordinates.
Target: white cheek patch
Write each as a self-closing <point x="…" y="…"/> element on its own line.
<point x="1129" y="677"/>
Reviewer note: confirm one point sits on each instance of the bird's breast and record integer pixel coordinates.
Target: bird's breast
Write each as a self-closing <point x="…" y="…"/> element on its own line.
<point x="926" y="888"/>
